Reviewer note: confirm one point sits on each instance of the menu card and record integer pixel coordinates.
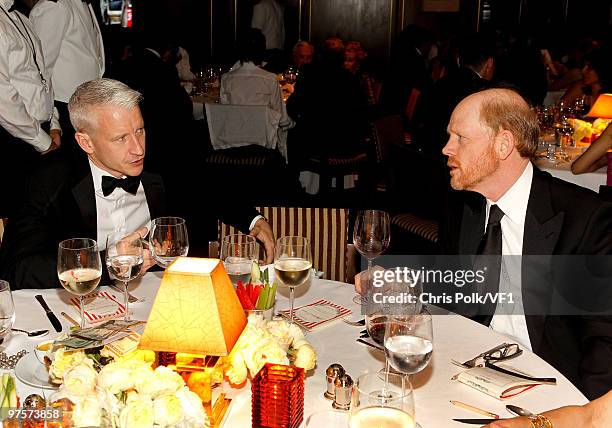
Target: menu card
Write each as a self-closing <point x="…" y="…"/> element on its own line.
<point x="99" y="306"/>
<point x="315" y="315"/>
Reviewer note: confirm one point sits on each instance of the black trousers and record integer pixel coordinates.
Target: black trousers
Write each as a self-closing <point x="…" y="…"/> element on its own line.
<point x="17" y="161"/>
<point x="69" y="144"/>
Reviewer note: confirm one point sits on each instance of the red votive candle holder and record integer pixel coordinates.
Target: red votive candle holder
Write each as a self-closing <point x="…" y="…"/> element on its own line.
<point x="278" y="397"/>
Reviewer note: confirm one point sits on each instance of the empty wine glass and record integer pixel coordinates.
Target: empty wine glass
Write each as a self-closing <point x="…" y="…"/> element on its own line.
<point x="238" y="253"/>
<point x="7" y="310"/>
<point x="124" y="259"/>
<point x="79" y="268"/>
<point x="168" y="240"/>
<point x="382" y="400"/>
<point x="292" y="264"/>
<point x="371" y="236"/>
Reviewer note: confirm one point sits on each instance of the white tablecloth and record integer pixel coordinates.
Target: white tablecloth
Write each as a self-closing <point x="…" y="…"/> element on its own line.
<point x="454" y="337"/>
<point x="590" y="180"/>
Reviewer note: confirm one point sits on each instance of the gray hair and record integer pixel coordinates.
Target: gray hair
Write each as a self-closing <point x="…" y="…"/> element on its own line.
<point x="302" y="43"/>
<point x="95" y="93"/>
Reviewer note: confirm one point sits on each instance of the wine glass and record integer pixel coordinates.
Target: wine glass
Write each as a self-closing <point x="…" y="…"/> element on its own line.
<point x="7" y="310"/>
<point x="409" y="342"/>
<point x="79" y="268"/>
<point x="382" y="400"/>
<point x="168" y="240"/>
<point x="124" y="259"/>
<point x="292" y="264"/>
<point x="371" y="236"/>
<point x="238" y="252"/>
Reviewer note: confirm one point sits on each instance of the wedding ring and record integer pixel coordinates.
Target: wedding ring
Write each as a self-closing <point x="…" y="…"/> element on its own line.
<point x="540" y="421"/>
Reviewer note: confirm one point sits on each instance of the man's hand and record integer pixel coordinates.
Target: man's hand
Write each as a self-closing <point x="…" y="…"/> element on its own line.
<point x="146" y="253"/>
<point x="361" y="280"/>
<point x="56" y="141"/>
<point x="263" y="232"/>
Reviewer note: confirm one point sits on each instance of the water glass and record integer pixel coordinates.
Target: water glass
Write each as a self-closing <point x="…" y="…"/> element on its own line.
<point x="382" y="400"/>
<point x="238" y="253"/>
<point x="168" y="240"/>
<point x="124" y="260"/>
<point x="7" y="310"/>
<point x="409" y="342"/>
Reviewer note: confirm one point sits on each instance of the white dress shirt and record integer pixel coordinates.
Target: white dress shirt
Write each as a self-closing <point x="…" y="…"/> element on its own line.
<point x="120" y="211"/>
<point x="72" y="43"/>
<point x="248" y="85"/>
<point x="25" y="102"/>
<point x="509" y="319"/>
<point x="268" y="16"/>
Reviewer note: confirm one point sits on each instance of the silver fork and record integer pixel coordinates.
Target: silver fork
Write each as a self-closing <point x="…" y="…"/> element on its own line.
<point x="131" y="297"/>
<point x="359" y="323"/>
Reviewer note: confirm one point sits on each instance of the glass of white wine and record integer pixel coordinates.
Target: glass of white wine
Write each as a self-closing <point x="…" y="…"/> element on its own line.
<point x="124" y="259"/>
<point x="168" y="240"/>
<point x="382" y="400"/>
<point x="7" y="310"/>
<point x="79" y="268"/>
<point x="238" y="252"/>
<point x="292" y="264"/>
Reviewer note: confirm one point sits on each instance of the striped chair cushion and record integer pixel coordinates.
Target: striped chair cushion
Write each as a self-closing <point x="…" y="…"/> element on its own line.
<point x="224" y="159"/>
<point x="427" y="229"/>
<point x="327" y="229"/>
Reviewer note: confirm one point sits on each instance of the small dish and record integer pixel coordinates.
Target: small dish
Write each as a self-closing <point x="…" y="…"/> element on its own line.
<point x="42" y="349"/>
<point x="31" y="372"/>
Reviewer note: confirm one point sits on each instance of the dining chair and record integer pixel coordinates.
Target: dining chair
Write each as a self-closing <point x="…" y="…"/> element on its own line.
<point x="327" y="229"/>
<point x="605" y="192"/>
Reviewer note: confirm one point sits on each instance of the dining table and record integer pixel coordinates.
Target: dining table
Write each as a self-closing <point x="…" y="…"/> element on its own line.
<point x="455" y="337"/>
<point x="562" y="168"/>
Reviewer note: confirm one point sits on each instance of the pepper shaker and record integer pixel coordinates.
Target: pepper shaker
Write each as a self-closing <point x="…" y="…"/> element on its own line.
<point x="332" y="373"/>
<point x="344" y="390"/>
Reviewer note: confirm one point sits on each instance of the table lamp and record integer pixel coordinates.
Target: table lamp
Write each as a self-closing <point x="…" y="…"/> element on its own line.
<point x="602" y="108"/>
<point x="196" y="317"/>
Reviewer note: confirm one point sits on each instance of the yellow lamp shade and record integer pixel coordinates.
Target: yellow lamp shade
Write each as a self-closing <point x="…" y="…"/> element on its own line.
<point x="602" y="107"/>
<point x="196" y="310"/>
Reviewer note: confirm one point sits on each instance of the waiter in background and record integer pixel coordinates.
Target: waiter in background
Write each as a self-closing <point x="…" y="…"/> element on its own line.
<point x="73" y="49"/>
<point x="26" y="103"/>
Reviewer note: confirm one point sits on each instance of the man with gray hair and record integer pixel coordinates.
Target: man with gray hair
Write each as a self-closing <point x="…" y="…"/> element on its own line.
<point x="93" y="196"/>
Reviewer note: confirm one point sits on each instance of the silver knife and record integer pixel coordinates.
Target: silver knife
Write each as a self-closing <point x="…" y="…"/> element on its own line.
<point x="477" y="421"/>
<point x="57" y="325"/>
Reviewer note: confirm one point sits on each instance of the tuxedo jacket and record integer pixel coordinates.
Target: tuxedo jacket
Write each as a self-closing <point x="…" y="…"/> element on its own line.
<point x="561" y="219"/>
<point x="60" y="204"/>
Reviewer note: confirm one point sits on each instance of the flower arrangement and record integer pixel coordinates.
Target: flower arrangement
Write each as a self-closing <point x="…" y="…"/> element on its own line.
<point x="127" y="392"/>
<point x="264" y="341"/>
<point x="586" y="132"/>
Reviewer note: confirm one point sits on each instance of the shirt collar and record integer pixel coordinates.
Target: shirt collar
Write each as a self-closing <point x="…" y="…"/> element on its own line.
<point x="514" y="202"/>
<point x="97" y="173"/>
<point x="247" y="65"/>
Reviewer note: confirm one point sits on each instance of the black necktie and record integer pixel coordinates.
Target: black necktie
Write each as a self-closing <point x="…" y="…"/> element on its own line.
<point x="490" y="249"/>
<point x="129" y="184"/>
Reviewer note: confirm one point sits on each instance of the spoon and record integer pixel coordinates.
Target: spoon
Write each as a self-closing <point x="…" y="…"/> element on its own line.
<point x="35" y="333"/>
<point x="519" y="411"/>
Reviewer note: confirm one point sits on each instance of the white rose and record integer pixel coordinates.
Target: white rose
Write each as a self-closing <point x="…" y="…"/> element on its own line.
<point x="164" y="382"/>
<point x="87" y="412"/>
<point x="168" y="410"/>
<point x="137" y="414"/>
<point x="193" y="411"/>
<point x="265" y="351"/>
<point x="64" y="361"/>
<point x="306" y="357"/>
<point x="80" y="379"/>
<point x="115" y="378"/>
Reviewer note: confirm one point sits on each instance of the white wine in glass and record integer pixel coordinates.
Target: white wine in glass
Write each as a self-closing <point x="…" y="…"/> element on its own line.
<point x="168" y="240"/>
<point x="124" y="259"/>
<point x="292" y="264"/>
<point x="79" y="268"/>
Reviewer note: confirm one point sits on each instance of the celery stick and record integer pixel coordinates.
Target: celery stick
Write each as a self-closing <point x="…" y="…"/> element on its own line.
<point x="272" y="295"/>
<point x="12" y="392"/>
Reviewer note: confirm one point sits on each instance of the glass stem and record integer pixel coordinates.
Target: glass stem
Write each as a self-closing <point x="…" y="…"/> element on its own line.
<point x="82" y="310"/>
<point x="387" y="368"/>
<point x="291" y="302"/>
<point x="126" y="302"/>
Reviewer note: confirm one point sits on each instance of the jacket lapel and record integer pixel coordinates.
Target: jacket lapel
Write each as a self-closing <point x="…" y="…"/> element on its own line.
<point x="472" y="224"/>
<point x="542" y="229"/>
<point x="154" y="191"/>
<point x="84" y="195"/>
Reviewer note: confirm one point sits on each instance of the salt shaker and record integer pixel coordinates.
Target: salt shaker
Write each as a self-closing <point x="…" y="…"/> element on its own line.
<point x="334" y="371"/>
<point x="344" y="390"/>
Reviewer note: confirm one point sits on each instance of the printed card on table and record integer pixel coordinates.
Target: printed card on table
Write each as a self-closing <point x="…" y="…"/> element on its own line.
<point x="317" y="314"/>
<point x="100" y="306"/>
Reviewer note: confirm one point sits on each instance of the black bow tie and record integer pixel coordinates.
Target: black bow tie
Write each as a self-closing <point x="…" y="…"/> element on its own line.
<point x="129" y="184"/>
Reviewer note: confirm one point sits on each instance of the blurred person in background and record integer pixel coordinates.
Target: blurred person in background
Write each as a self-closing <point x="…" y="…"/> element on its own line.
<point x="302" y="54"/>
<point x="596" y="77"/>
